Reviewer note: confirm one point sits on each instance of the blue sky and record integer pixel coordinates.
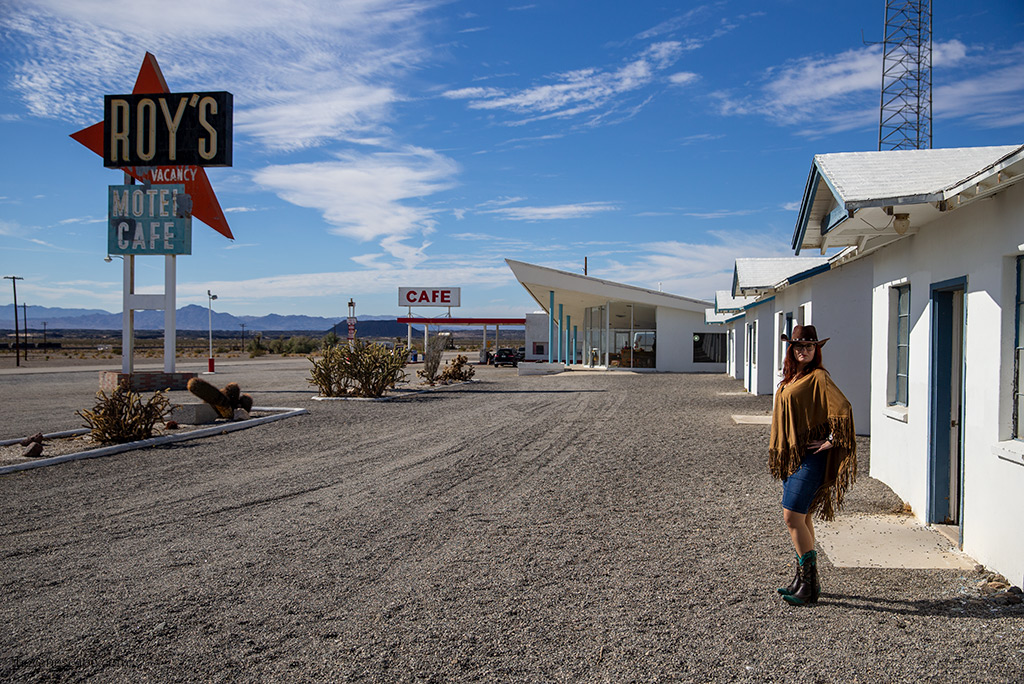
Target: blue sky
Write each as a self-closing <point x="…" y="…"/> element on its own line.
<point x="387" y="143"/>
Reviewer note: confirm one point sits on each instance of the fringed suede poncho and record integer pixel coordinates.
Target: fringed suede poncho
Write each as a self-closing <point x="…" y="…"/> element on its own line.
<point x="812" y="408"/>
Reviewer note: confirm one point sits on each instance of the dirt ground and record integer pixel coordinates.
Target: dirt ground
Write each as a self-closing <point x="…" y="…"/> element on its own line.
<point x="583" y="527"/>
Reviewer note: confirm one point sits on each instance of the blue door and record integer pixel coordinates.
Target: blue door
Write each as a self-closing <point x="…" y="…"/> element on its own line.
<point x="946" y="467"/>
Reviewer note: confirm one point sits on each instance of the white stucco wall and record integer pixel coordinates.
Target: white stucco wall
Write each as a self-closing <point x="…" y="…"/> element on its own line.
<point x="675" y="341"/>
<point x="761" y="378"/>
<point x="734" y="363"/>
<point x="979" y="242"/>
<point x="838" y="304"/>
<point x="536" y="331"/>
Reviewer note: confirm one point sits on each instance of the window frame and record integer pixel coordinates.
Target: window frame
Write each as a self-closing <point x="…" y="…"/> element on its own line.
<point x="1018" y="352"/>
<point x="901" y="339"/>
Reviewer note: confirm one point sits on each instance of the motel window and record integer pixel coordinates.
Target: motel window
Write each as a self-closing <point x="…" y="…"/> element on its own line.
<point x="902" y="344"/>
<point x="539" y="349"/>
<point x="1018" y="356"/>
<point x="709" y="347"/>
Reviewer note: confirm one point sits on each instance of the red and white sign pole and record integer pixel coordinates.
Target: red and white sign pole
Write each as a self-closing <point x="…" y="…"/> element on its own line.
<point x="351" y="322"/>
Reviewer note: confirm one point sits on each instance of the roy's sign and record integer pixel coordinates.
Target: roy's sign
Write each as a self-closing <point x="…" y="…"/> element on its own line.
<point x="428" y="296"/>
<point x="148" y="220"/>
<point x="167" y="129"/>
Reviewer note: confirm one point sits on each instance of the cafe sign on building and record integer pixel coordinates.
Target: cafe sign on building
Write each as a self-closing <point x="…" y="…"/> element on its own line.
<point x="148" y="220"/>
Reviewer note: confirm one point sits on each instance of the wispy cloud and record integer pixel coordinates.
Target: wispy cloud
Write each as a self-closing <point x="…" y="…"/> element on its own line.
<point x="378" y="279"/>
<point x="305" y="73"/>
<point x="722" y="213"/>
<point x="982" y="85"/>
<point x="368" y="196"/>
<point x="693" y="269"/>
<point x="574" y="93"/>
<point x="683" y="78"/>
<point x="991" y="98"/>
<point x="553" y="213"/>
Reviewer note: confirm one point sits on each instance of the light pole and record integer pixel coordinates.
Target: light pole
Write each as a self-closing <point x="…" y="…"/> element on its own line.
<point x="209" y="309"/>
<point x="17" y="345"/>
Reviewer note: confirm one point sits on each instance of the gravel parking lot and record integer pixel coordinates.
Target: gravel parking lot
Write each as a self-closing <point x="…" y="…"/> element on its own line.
<point x="593" y="527"/>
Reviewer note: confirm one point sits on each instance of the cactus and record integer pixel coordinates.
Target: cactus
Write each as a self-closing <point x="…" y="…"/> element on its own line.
<point x="212" y="396"/>
<point x="365" y="369"/>
<point x="122" y="417"/>
<point x="245" y="402"/>
<point x="457" y="370"/>
<point x="224" y="401"/>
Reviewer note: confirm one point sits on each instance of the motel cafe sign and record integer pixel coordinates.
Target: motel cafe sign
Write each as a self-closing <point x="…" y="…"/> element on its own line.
<point x="149" y="220"/>
<point x="428" y="296"/>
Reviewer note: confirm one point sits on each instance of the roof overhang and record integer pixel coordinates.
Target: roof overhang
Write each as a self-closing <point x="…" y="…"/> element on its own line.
<point x="576" y="292"/>
<point x="829" y="218"/>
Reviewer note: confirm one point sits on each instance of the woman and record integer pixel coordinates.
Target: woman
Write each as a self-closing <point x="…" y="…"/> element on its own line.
<point x="813" y="451"/>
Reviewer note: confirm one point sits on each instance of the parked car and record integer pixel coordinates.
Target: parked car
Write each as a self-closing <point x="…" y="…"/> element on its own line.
<point x="506" y="357"/>
<point x="521" y="354"/>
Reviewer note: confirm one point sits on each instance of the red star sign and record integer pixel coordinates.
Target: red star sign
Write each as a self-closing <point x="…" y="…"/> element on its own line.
<point x="205" y="206"/>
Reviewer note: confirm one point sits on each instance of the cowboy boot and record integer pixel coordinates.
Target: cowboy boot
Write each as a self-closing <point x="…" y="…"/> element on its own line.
<point x="808" y="589"/>
<point x="788" y="591"/>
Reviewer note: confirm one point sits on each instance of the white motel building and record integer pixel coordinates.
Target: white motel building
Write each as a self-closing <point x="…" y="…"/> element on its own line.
<point x="603" y="324"/>
<point x="930" y="286"/>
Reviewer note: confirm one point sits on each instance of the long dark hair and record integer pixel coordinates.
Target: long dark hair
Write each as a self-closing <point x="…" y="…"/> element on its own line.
<point x="791" y="366"/>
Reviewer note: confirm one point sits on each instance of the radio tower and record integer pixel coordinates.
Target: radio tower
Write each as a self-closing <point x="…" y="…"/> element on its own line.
<point x="905" y="119"/>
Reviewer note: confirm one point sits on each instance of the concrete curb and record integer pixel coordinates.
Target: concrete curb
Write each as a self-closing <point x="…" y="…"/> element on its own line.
<point x="157" y="441"/>
<point x="52" y="435"/>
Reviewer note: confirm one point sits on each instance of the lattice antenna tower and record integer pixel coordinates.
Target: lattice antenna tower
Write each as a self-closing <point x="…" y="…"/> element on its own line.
<point x="905" y="118"/>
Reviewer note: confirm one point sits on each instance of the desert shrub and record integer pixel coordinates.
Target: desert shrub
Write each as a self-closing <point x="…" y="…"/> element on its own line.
<point x="300" y="344"/>
<point x="122" y="417"/>
<point x="365" y="369"/>
<point x="457" y="370"/>
<point x="432" y="359"/>
<point x="255" y="346"/>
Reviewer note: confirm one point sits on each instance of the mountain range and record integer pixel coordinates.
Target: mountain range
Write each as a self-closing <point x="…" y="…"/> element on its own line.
<point x="191" y="317"/>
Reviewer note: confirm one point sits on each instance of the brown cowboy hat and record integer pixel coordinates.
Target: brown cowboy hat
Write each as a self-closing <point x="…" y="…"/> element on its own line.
<point x="804" y="334"/>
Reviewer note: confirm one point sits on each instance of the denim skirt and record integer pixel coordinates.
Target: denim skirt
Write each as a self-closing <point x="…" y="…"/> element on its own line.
<point x="798" y="489"/>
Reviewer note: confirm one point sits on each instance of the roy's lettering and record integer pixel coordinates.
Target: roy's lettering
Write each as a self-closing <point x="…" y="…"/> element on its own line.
<point x="167" y="129"/>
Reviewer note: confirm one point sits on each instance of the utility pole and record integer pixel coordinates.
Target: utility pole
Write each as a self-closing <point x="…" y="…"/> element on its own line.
<point x="17" y="345"/>
<point x="243" y="335"/>
<point x="24" y="319"/>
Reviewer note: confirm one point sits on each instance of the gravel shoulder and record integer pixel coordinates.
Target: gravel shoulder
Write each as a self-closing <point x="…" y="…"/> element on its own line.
<point x="579" y="527"/>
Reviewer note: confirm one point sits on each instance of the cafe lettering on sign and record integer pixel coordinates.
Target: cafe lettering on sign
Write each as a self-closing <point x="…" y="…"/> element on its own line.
<point x="148" y="220"/>
<point x="167" y="129"/>
<point x="429" y="296"/>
